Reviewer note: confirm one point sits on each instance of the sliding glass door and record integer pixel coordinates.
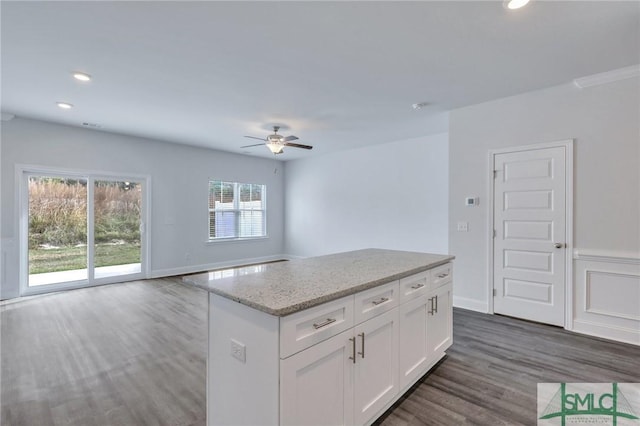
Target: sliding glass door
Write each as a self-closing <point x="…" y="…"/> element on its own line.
<point x="117" y="209"/>
<point x="81" y="230"/>
<point x="57" y="238"/>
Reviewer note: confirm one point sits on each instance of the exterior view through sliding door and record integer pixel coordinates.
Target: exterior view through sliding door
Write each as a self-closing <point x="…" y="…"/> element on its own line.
<point x="81" y="230"/>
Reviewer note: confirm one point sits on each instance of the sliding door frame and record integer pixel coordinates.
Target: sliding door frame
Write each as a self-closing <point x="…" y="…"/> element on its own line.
<point x="22" y="173"/>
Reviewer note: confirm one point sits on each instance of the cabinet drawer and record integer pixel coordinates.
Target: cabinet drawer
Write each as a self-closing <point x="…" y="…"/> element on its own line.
<point x="375" y="301"/>
<point x="306" y="328"/>
<point x="414" y="286"/>
<point x="441" y="275"/>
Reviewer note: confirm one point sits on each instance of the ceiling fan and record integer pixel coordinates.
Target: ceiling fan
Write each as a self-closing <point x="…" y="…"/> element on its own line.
<point x="276" y="142"/>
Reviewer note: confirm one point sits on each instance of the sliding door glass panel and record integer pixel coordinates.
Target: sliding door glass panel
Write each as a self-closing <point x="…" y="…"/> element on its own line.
<point x="57" y="229"/>
<point x="117" y="217"/>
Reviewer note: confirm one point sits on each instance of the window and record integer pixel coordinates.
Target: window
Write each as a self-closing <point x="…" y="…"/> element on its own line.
<point x="236" y="210"/>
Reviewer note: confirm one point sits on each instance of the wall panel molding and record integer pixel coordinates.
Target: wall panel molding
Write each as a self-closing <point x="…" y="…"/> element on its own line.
<point x="607" y="256"/>
<point x="607" y="295"/>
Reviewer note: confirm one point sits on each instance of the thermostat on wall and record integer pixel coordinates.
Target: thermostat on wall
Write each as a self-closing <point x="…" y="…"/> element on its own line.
<point x="471" y="201"/>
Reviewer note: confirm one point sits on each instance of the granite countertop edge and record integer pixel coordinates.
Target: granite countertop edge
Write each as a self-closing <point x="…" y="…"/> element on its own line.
<point x="300" y="306"/>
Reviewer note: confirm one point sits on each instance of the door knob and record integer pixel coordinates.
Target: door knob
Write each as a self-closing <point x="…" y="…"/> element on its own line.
<point x="558" y="245"/>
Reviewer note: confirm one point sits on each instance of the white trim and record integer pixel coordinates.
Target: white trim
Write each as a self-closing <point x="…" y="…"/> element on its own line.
<point x="607" y="256"/>
<point x="608" y="332"/>
<point x="216" y="265"/>
<point x="607" y="77"/>
<point x="293" y="257"/>
<point x="490" y="238"/>
<point x="73" y="285"/>
<point x="568" y="146"/>
<point x="470" y="304"/>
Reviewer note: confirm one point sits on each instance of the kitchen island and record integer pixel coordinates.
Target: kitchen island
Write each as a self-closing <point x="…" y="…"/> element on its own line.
<point x="326" y="340"/>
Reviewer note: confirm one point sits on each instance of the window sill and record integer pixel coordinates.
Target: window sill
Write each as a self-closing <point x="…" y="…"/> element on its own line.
<point x="236" y="240"/>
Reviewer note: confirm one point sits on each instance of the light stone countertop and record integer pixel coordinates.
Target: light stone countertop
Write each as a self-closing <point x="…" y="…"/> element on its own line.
<point x="283" y="288"/>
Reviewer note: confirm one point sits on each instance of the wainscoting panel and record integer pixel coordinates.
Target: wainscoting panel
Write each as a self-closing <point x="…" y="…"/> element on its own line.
<point x="607" y="295"/>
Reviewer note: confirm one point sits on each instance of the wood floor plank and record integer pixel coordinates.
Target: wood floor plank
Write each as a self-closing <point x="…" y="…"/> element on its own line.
<point x="134" y="354"/>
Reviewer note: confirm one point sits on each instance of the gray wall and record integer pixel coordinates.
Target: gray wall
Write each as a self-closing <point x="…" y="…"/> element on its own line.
<point x="603" y="121"/>
<point x="392" y="195"/>
<point x="179" y="181"/>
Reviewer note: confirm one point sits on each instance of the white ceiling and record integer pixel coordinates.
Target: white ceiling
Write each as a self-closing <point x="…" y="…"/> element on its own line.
<point x="337" y="74"/>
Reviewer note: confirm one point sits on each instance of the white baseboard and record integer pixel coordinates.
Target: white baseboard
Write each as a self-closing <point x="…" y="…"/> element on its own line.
<point x="607" y="332"/>
<point x="292" y="257"/>
<point x="470" y="304"/>
<point x="158" y="273"/>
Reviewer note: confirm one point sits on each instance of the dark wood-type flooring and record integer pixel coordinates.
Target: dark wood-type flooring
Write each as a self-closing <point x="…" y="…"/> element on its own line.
<point x="134" y="354"/>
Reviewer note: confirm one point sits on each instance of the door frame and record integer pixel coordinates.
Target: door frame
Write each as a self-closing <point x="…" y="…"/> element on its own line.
<point x="568" y="238"/>
<point x="22" y="225"/>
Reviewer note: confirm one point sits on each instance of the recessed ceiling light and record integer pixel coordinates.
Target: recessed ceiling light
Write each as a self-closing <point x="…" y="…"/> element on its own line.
<point x="419" y="105"/>
<point x="515" y="4"/>
<point x="64" y="105"/>
<point x="81" y="76"/>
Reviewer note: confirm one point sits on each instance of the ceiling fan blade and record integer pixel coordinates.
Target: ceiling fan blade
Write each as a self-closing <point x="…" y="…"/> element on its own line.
<point x="297" y="145"/>
<point x="291" y="138"/>
<point x="253" y="137"/>
<point x="249" y="146"/>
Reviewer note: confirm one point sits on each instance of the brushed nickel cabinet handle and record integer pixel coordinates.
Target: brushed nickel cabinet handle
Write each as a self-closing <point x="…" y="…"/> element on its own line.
<point x="435" y="311"/>
<point x="431" y="302"/>
<point x="443" y="275"/>
<point x="353" y="349"/>
<point x="362" y="353"/>
<point x="324" y="324"/>
<point x="417" y="286"/>
<point x="382" y="300"/>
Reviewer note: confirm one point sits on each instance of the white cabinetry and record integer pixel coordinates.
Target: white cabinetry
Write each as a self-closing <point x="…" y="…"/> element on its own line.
<point x="376" y="367"/>
<point x="414" y="348"/>
<point x="439" y="321"/>
<point x="440" y="312"/>
<point x="316" y="385"/>
<point x="340" y="363"/>
<point x="348" y="378"/>
<point x="426" y="322"/>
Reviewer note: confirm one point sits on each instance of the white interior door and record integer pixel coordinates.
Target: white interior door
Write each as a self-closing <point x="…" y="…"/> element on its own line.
<point x="529" y="230"/>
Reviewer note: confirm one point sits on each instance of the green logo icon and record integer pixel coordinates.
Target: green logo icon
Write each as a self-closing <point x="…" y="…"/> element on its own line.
<point x="585" y="401"/>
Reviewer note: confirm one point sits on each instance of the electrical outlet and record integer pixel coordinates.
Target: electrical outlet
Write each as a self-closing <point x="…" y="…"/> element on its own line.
<point x="463" y="226"/>
<point x="238" y="351"/>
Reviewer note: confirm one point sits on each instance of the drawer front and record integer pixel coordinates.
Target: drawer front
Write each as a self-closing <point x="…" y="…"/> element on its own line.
<point x="375" y="301"/>
<point x="441" y="275"/>
<point x="414" y="286"/>
<point x="306" y="328"/>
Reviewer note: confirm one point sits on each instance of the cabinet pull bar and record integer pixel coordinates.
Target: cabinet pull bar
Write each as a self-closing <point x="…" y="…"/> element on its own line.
<point x="324" y="324"/>
<point x="353" y="349"/>
<point x="417" y="286"/>
<point x="442" y="275"/>
<point x="431" y="302"/>
<point x="435" y="311"/>
<point x="362" y="353"/>
<point x="382" y="300"/>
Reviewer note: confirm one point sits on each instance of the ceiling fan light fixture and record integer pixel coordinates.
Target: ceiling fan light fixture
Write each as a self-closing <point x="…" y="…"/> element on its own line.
<point x="81" y="76"/>
<point x="515" y="4"/>
<point x="275" y="147"/>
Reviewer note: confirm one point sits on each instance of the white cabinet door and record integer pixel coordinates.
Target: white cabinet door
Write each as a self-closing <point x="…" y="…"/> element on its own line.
<point x="439" y="321"/>
<point x="376" y="368"/>
<point x="414" y="352"/>
<point x="316" y="385"/>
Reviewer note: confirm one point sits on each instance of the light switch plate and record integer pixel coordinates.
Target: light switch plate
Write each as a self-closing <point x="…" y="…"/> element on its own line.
<point x="463" y="226"/>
